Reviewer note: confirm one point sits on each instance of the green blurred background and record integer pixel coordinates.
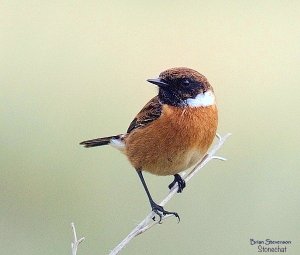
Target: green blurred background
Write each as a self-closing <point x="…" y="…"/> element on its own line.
<point x="74" y="70"/>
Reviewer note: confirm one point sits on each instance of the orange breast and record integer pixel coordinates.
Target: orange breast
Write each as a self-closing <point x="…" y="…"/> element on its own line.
<point x="173" y="142"/>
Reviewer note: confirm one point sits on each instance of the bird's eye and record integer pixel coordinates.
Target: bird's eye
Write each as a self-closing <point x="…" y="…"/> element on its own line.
<point x="186" y="82"/>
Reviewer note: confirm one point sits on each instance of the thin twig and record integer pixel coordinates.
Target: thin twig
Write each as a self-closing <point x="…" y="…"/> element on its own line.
<point x="148" y="222"/>
<point x="75" y="243"/>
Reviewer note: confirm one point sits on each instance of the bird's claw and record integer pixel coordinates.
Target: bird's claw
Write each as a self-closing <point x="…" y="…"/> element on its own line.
<point x="161" y="212"/>
<point x="180" y="182"/>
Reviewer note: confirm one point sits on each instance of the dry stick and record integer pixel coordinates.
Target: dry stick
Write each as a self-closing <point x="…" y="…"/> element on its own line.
<point x="75" y="243"/>
<point x="148" y="221"/>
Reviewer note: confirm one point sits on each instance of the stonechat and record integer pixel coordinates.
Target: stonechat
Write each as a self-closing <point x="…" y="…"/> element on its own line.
<point x="172" y="132"/>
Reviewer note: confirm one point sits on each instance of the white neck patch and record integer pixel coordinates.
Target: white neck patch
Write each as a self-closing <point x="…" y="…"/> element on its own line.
<point x="202" y="100"/>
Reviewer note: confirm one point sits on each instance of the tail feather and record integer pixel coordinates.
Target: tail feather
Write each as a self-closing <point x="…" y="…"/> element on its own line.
<point x="99" y="141"/>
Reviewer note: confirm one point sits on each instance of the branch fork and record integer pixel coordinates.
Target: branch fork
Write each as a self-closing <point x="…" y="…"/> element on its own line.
<point x="75" y="243"/>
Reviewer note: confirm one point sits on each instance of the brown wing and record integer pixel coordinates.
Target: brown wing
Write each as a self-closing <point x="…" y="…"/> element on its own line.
<point x="150" y="112"/>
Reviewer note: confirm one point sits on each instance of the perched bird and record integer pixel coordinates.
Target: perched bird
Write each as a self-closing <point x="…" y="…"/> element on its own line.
<point x="172" y="132"/>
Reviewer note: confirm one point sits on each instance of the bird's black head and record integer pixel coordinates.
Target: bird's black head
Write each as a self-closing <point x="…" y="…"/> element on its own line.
<point x="176" y="85"/>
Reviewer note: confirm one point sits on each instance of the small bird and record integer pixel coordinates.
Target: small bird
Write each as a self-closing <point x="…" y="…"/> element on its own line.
<point x="172" y="132"/>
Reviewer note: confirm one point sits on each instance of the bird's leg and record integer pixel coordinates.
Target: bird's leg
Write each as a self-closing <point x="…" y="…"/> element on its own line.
<point x="180" y="182"/>
<point x="158" y="209"/>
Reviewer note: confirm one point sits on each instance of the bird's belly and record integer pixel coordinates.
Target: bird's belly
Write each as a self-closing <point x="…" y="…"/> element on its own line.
<point x="174" y="164"/>
<point x="164" y="163"/>
<point x="168" y="146"/>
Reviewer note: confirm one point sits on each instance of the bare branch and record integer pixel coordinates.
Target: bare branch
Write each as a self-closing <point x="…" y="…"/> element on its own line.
<point x="148" y="222"/>
<point x="75" y="243"/>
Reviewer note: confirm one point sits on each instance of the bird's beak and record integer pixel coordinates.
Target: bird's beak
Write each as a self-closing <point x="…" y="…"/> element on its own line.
<point x="159" y="82"/>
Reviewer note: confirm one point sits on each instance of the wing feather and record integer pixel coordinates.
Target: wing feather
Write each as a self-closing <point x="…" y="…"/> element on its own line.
<point x="150" y="112"/>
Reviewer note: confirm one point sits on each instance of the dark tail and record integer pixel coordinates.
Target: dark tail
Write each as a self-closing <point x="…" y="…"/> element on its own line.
<point x="99" y="141"/>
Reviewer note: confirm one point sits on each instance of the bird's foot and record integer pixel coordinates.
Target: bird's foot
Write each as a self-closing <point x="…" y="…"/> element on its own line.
<point x="180" y="182"/>
<point x="161" y="212"/>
